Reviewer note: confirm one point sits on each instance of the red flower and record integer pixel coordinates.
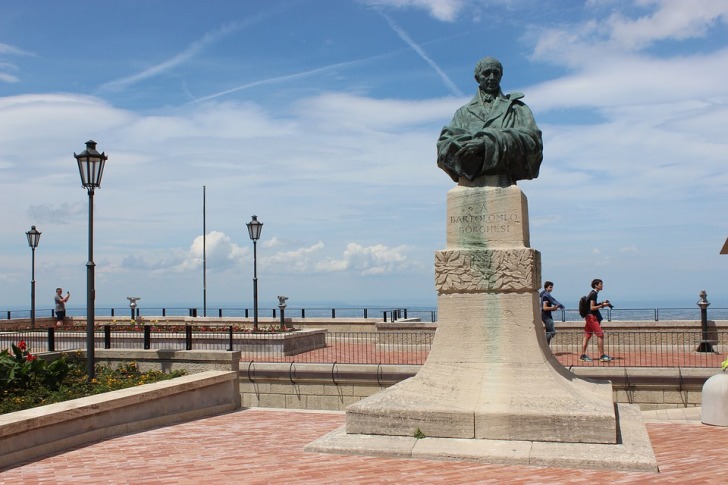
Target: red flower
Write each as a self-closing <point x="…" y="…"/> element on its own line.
<point x="31" y="357"/>
<point x="21" y="345"/>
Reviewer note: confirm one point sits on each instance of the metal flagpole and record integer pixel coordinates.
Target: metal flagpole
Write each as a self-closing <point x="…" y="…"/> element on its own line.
<point x="204" y="257"/>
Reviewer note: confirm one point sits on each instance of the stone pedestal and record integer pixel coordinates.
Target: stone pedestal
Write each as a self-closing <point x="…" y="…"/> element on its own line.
<point x="490" y="375"/>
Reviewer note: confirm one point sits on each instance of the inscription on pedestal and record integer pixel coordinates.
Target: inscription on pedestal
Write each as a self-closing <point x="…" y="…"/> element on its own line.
<point x="484" y="223"/>
<point x="486" y="216"/>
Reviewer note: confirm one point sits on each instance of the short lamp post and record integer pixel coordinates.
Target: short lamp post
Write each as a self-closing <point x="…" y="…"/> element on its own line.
<point x="254" y="229"/>
<point x="33" y="240"/>
<point x="91" y="168"/>
<point x="705" y="344"/>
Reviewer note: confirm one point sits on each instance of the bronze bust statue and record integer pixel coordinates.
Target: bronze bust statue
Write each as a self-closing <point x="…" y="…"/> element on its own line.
<point x="494" y="134"/>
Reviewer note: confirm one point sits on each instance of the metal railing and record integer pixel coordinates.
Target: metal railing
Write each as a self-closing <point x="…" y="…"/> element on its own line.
<point x="384" y="313"/>
<point x="629" y="348"/>
<point x="643" y="348"/>
<point x="644" y="314"/>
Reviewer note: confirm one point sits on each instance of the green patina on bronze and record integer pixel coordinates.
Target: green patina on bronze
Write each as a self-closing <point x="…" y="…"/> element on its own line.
<point x="493" y="134"/>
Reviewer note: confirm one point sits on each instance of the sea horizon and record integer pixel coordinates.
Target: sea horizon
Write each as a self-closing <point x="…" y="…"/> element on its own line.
<point x="644" y="311"/>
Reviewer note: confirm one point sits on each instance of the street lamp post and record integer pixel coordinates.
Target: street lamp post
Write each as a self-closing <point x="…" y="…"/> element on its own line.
<point x="91" y="168"/>
<point x="254" y="229"/>
<point x="33" y="240"/>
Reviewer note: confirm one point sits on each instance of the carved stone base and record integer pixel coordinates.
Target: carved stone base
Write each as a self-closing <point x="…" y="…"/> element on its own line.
<point x="632" y="453"/>
<point x="490" y="375"/>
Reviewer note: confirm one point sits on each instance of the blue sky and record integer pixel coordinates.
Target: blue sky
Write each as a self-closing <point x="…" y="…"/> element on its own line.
<point x="321" y="118"/>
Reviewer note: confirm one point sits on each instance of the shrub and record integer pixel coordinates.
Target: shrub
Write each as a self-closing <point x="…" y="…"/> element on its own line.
<point x="22" y="370"/>
<point x="27" y="382"/>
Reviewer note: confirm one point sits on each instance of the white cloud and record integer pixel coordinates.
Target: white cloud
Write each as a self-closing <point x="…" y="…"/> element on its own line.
<point x="344" y="112"/>
<point x="639" y="81"/>
<point x="8" y="69"/>
<point x="56" y="213"/>
<point x="672" y="19"/>
<point x="218" y="251"/>
<point x="8" y="78"/>
<point x="445" y="10"/>
<point x="298" y="260"/>
<point x="604" y="40"/>
<point x="273" y="242"/>
<point x="6" y="49"/>
<point x="367" y="260"/>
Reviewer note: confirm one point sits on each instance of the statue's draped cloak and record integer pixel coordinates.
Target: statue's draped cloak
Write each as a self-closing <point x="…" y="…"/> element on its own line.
<point x="512" y="143"/>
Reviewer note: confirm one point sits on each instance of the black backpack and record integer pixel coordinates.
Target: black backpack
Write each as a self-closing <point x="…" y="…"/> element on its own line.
<point x="584" y="306"/>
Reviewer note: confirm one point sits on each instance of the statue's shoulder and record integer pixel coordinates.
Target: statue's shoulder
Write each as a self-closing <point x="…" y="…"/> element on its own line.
<point x="474" y="101"/>
<point x="471" y="105"/>
<point x="515" y="96"/>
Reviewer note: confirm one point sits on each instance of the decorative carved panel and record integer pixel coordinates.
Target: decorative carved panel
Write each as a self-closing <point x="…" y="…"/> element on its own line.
<point x="487" y="270"/>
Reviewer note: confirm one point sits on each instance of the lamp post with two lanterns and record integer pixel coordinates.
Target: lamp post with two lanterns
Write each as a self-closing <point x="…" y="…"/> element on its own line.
<point x="33" y="240"/>
<point x="91" y="168"/>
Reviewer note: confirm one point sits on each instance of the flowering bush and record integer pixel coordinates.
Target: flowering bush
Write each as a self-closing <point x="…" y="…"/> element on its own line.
<point x="165" y="326"/>
<point x="76" y="384"/>
<point x="20" y="369"/>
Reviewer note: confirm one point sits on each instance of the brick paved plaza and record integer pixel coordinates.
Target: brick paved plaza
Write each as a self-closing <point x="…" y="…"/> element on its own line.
<point x="257" y="446"/>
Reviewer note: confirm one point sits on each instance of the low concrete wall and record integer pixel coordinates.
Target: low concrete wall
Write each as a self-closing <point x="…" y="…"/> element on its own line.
<point x="653" y="387"/>
<point x="315" y="323"/>
<point x="262" y="344"/>
<point x="335" y="386"/>
<point x="191" y="361"/>
<point x="316" y="386"/>
<point x="29" y="434"/>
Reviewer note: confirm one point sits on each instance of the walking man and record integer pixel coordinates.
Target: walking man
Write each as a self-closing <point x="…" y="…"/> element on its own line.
<point x="593" y="323"/>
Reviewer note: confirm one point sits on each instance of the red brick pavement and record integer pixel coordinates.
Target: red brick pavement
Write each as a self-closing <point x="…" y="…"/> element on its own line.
<point x="258" y="446"/>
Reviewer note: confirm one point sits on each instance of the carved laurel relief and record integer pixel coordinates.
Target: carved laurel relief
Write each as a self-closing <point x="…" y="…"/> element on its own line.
<point x="482" y="270"/>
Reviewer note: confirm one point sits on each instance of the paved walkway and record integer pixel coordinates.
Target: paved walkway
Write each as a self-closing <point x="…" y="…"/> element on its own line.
<point x="262" y="446"/>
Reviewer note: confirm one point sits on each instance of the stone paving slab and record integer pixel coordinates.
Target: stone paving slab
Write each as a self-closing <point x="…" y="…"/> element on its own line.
<point x="633" y="453"/>
<point x="691" y="414"/>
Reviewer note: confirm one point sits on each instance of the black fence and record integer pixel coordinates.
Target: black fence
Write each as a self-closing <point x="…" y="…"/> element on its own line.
<point x="629" y="348"/>
<point x="384" y="313"/>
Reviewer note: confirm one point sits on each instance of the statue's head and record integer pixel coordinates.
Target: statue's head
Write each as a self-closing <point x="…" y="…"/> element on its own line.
<point x="488" y="74"/>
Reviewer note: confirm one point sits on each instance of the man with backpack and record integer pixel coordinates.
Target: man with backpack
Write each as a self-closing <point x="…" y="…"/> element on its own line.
<point x="593" y="320"/>
<point x="549" y="304"/>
